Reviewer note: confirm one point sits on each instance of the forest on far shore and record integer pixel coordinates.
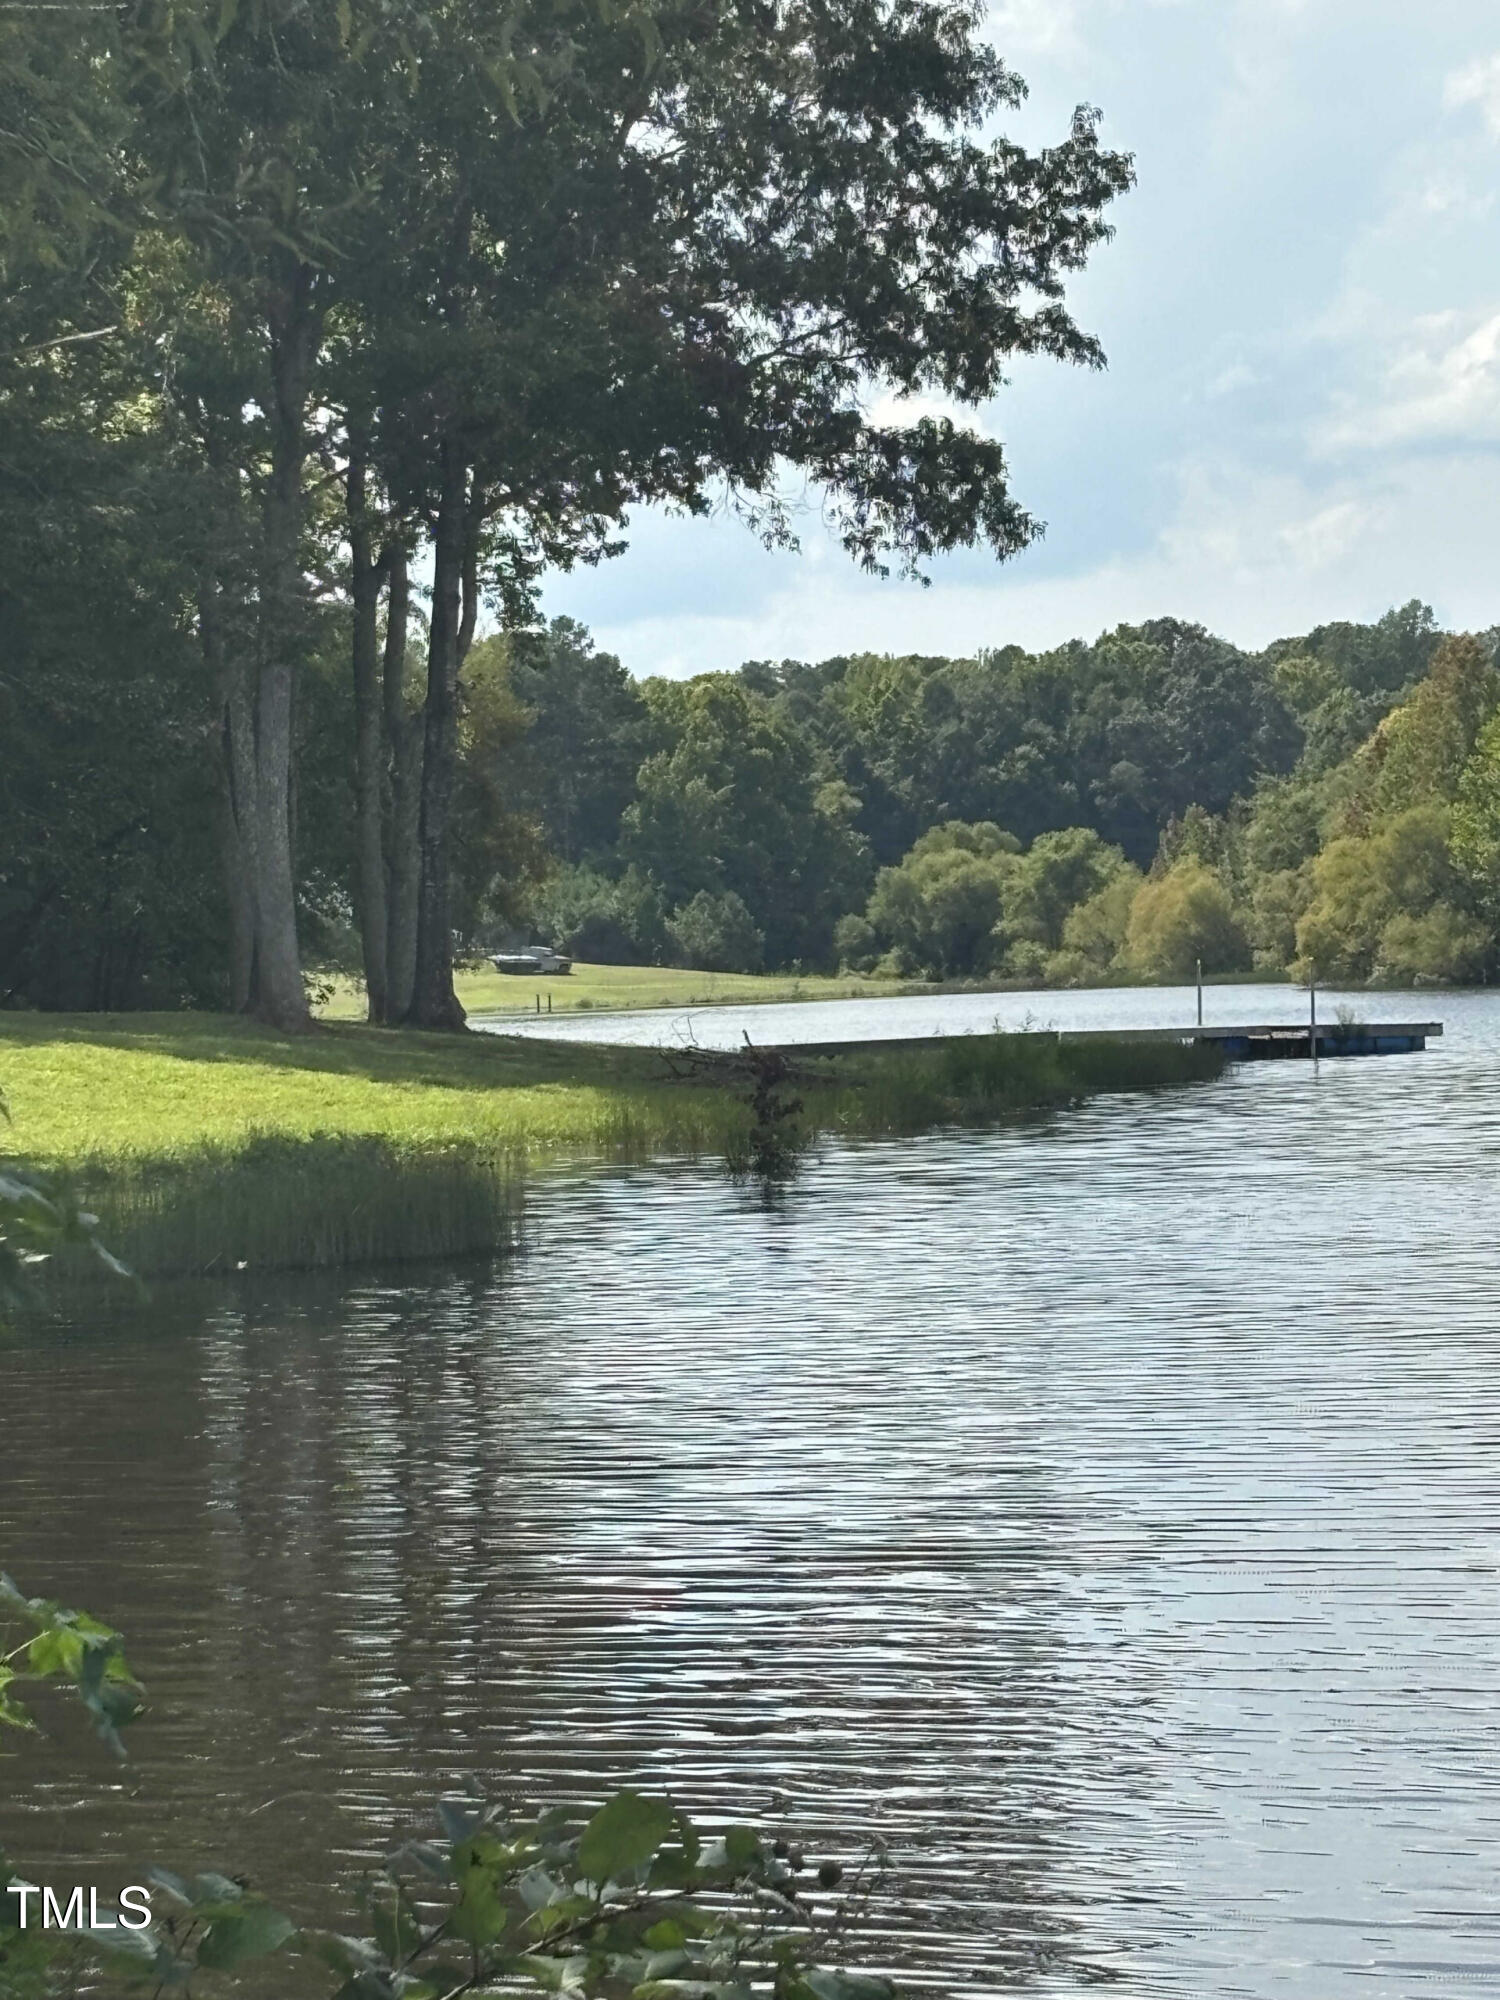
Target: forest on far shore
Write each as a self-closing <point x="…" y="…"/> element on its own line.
<point x="1119" y="809"/>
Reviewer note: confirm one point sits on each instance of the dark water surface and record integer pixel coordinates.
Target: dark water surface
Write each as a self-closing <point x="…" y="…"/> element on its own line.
<point x="1107" y="1511"/>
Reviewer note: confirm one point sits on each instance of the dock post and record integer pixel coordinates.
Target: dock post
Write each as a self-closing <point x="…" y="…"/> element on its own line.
<point x="1200" y="993"/>
<point x="1312" y="1012"/>
<point x="539" y="1003"/>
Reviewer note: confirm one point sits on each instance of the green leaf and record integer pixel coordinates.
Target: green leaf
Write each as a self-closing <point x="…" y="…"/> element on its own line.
<point x="55" y="1651"/>
<point x="537" y="1888"/>
<point x="249" y="1932"/>
<point x="429" y="1857"/>
<point x="623" y="1835"/>
<point x="742" y="1846"/>
<point x="356" y="1957"/>
<point x="560" y="1975"/>
<point x="397" y="1931"/>
<point x="827" y="1984"/>
<point x="210" y="1891"/>
<point x="687" y="1833"/>
<point x="173" y="1884"/>
<point x="479" y="1916"/>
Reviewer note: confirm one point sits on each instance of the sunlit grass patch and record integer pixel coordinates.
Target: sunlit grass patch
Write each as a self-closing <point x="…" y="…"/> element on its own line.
<point x="616" y="988"/>
<point x="207" y="1143"/>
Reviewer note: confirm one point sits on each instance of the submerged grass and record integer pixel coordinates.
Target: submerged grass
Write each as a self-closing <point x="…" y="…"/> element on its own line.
<point x="207" y="1143"/>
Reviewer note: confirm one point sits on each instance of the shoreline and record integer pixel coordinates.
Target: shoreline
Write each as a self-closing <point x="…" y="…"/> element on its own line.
<point x="207" y="1144"/>
<point x="628" y="989"/>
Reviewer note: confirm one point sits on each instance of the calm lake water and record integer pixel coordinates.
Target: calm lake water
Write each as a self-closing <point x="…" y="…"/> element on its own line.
<point x="786" y="1023"/>
<point x="1106" y="1511"/>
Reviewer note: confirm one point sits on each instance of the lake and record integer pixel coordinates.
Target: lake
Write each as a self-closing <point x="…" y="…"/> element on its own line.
<point x="787" y="1023"/>
<point x="1105" y="1511"/>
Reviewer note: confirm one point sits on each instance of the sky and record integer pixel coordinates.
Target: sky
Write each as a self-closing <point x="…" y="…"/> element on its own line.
<point x="1300" y="420"/>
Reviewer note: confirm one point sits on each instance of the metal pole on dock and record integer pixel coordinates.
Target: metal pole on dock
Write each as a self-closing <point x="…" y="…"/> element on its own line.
<point x="1312" y="1012"/>
<point x="1200" y="993"/>
<point x="539" y="1003"/>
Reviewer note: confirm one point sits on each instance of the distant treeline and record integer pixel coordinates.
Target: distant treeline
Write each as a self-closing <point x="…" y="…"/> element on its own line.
<point x="1120" y="809"/>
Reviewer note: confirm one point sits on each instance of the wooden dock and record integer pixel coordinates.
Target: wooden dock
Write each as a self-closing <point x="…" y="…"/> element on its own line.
<point x="1270" y="1043"/>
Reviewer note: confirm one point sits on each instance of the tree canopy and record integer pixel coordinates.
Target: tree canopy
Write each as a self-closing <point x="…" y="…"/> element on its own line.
<point x="382" y="287"/>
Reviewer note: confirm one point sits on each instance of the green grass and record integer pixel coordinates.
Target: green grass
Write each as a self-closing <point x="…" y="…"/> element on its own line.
<point x="208" y="1143"/>
<point x="145" y="1085"/>
<point x="616" y="988"/>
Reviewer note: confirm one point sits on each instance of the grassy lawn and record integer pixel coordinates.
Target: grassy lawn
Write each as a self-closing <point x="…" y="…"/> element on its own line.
<point x="208" y="1143"/>
<point x="615" y="988"/>
<point x="155" y="1085"/>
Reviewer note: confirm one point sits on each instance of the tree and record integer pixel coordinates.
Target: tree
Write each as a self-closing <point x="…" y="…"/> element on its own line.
<point x="1094" y="931"/>
<point x="500" y="855"/>
<point x="605" y="920"/>
<point x="1378" y="660"/>
<point x="1059" y="872"/>
<point x="691" y="273"/>
<point x="740" y="803"/>
<point x="717" y="934"/>
<point x="587" y="734"/>
<point x="1419" y="752"/>
<point x="1362" y="884"/>
<point x="939" y="910"/>
<point x="1475" y="839"/>
<point x="274" y="146"/>
<point x="1180" y="918"/>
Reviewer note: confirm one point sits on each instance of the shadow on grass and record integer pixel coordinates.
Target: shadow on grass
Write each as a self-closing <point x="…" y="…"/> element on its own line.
<point x="476" y="1061"/>
<point x="258" y="1199"/>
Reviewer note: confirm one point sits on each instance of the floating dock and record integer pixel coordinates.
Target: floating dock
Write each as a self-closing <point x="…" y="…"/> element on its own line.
<point x="1270" y="1043"/>
<point x="1281" y="1044"/>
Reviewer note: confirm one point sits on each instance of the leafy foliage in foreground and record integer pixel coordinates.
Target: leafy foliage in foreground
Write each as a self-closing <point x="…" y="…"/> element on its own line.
<point x="634" y="1901"/>
<point x="37" y="1220"/>
<point x="71" y="1649"/>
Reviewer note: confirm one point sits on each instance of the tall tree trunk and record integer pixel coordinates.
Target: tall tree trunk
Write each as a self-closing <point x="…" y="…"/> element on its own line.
<point x="239" y="840"/>
<point x="236" y="790"/>
<point x="403" y="736"/>
<point x="280" y="996"/>
<point x="369" y="740"/>
<point x="434" y="1003"/>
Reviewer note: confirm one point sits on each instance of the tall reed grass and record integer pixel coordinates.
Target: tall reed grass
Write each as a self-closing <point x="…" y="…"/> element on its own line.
<point x="300" y="1203"/>
<point x="207" y="1147"/>
<point x="978" y="1079"/>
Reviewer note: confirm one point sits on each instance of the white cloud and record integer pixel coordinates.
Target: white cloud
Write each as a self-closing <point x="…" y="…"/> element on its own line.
<point x="1302" y="417"/>
<point x="1320" y="540"/>
<point x="1253" y="555"/>
<point x="1440" y="386"/>
<point x="1033" y="27"/>
<point x="1238" y="375"/>
<point x="1478" y="83"/>
<point x="1242" y="526"/>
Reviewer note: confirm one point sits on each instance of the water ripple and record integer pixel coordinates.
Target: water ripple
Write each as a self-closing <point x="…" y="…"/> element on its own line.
<point x="1101" y="1510"/>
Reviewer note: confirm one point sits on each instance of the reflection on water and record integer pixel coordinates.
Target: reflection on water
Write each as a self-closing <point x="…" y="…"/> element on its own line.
<point x="1103" y="1510"/>
<point x="789" y="1022"/>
